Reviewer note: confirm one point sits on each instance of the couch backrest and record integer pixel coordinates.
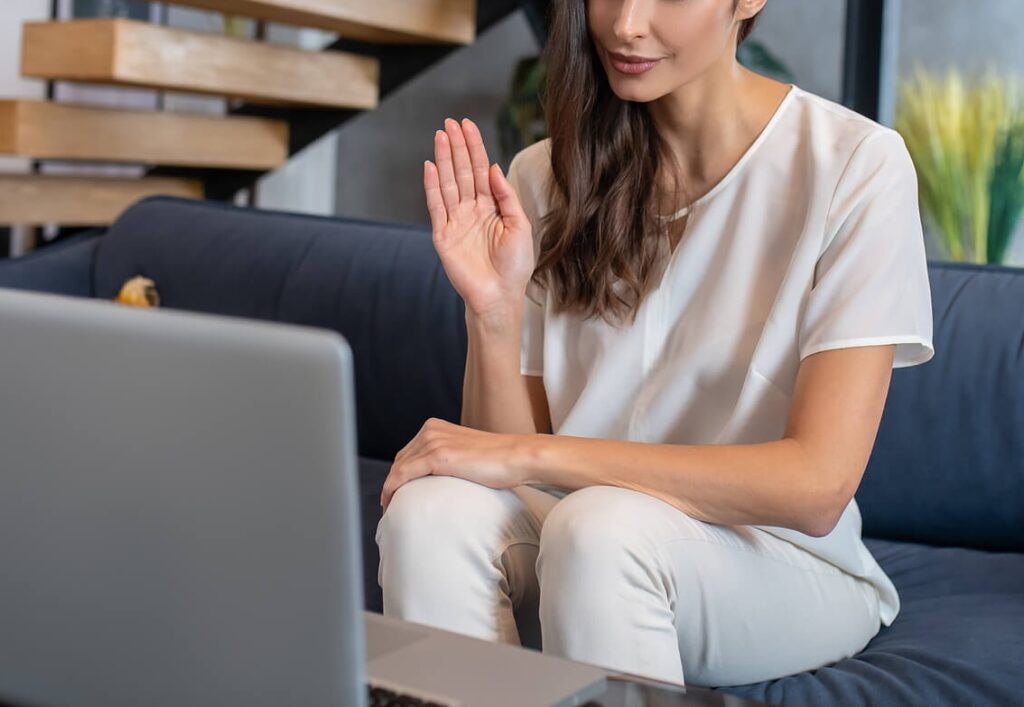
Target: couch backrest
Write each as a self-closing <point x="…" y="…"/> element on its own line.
<point x="380" y="285"/>
<point x="948" y="461"/>
<point x="62" y="268"/>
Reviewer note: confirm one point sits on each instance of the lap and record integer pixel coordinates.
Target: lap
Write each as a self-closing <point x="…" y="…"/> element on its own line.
<point x="747" y="605"/>
<point x="743" y="617"/>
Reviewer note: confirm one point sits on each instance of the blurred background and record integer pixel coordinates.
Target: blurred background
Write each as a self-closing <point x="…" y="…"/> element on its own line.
<point x="945" y="73"/>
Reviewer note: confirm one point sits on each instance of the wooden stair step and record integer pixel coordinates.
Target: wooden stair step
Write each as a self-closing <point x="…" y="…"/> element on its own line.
<point x="381" y="21"/>
<point x="131" y="53"/>
<point x="44" y="130"/>
<point x="72" y="200"/>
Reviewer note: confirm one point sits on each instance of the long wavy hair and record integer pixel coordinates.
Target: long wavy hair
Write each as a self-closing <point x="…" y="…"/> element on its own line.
<point x="605" y="157"/>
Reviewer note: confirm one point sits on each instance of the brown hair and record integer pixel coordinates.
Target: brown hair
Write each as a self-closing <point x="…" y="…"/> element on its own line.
<point x="605" y="156"/>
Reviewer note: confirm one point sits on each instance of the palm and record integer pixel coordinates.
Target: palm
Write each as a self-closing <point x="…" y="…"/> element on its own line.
<point x="480" y="232"/>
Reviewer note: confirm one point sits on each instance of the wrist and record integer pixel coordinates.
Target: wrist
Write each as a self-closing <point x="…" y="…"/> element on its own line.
<point x="503" y="321"/>
<point x="529" y="455"/>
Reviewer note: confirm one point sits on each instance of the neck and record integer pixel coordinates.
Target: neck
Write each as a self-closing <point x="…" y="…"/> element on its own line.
<point x="708" y="123"/>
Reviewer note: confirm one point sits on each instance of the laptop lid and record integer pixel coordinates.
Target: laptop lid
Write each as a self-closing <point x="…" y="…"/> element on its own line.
<point x="178" y="511"/>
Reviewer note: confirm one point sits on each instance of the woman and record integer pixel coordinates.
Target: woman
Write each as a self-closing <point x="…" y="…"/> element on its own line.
<point x="692" y="518"/>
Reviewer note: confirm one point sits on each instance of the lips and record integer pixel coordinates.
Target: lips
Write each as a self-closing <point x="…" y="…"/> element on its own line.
<point x="628" y="59"/>
<point x="631" y="65"/>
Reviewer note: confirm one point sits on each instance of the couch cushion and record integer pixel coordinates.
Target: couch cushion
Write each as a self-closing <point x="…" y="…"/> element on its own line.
<point x="958" y="640"/>
<point x="382" y="286"/>
<point x="947" y="467"/>
<point x="63" y="268"/>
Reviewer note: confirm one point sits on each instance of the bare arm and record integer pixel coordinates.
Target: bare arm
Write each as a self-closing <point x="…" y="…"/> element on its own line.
<point x="803" y="481"/>
<point x="496" y="397"/>
<point x="485" y="242"/>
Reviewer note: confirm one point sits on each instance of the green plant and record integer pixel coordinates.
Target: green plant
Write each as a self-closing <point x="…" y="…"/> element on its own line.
<point x="521" y="117"/>
<point x="1007" y="187"/>
<point x="966" y="138"/>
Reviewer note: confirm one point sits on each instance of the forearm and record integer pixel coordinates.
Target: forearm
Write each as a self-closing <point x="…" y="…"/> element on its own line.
<point x="773" y="483"/>
<point x="494" y="395"/>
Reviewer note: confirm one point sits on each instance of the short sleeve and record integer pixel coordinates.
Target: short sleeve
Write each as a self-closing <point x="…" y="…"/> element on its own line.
<point x="531" y="352"/>
<point x="871" y="279"/>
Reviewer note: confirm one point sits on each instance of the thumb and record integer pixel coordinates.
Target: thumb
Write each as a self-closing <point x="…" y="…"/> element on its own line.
<point x="505" y="195"/>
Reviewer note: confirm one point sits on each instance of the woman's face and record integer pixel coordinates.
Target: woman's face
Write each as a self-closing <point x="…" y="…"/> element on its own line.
<point x="684" y="37"/>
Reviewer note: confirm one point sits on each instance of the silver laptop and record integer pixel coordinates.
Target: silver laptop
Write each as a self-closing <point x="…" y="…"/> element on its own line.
<point x="179" y="524"/>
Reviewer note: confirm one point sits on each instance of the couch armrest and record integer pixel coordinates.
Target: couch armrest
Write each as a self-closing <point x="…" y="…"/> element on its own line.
<point x="64" y="268"/>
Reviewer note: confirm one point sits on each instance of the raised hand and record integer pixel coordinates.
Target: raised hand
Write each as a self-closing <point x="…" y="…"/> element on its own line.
<point x="481" y="233"/>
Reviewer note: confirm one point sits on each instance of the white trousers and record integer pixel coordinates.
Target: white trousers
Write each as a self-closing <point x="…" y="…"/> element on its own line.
<point x="619" y="579"/>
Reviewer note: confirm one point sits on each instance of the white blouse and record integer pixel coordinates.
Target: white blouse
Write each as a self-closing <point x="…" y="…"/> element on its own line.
<point x="812" y="241"/>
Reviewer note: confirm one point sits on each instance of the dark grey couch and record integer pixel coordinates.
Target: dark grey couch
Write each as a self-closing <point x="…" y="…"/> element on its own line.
<point x="942" y="499"/>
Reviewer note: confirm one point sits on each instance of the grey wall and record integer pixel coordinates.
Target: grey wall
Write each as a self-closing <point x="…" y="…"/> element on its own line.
<point x="807" y="35"/>
<point x="381" y="153"/>
<point x="964" y="33"/>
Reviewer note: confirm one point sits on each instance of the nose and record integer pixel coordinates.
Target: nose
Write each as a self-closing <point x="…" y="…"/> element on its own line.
<point x="632" y="20"/>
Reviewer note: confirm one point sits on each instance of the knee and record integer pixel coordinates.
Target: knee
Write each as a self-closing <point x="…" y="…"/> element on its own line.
<point x="599" y="522"/>
<point x="612" y="526"/>
<point x="435" y="510"/>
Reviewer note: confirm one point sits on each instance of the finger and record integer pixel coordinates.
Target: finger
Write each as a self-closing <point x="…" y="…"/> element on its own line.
<point x="478" y="157"/>
<point x="395" y="481"/>
<point x="445" y="171"/>
<point x="435" y="202"/>
<point x="460" y="157"/>
<point x="391" y="482"/>
<point x="505" y="195"/>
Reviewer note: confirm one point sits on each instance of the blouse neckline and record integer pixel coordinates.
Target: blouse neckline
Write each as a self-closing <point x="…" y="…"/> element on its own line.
<point x="744" y="158"/>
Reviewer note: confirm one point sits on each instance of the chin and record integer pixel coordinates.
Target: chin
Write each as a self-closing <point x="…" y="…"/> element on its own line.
<point x="632" y="93"/>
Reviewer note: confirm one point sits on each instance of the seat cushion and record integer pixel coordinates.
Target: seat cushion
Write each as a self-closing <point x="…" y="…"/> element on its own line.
<point x="958" y="640"/>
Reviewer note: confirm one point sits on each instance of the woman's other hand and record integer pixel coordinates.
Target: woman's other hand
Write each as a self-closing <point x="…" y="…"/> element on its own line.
<point x="480" y="231"/>
<point x="442" y="448"/>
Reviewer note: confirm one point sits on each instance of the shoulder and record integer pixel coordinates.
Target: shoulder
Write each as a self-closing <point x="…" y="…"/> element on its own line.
<point x="534" y="156"/>
<point x="838" y="136"/>
<point x="532" y="164"/>
<point x="857" y="160"/>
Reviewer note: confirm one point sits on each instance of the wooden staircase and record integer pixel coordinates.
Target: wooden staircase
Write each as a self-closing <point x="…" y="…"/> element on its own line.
<point x="130" y="53"/>
<point x="46" y="130"/>
<point x="36" y="199"/>
<point x="381" y="21"/>
<point x="290" y="96"/>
